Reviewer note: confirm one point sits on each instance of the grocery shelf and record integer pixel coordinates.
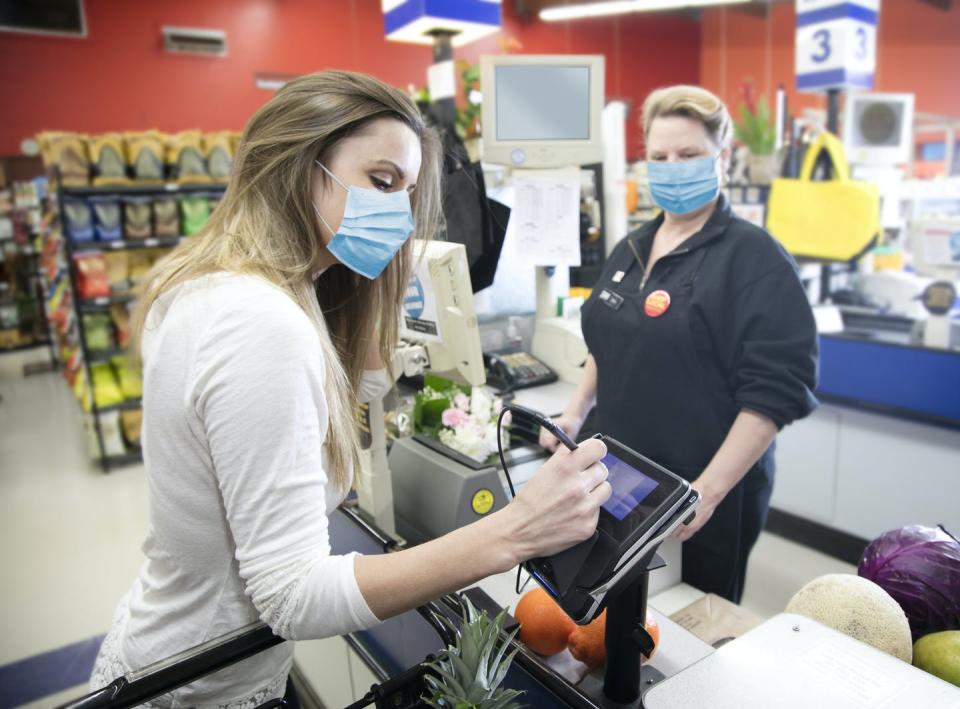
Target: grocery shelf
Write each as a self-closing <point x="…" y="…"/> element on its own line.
<point x="128" y="244"/>
<point x="45" y="342"/>
<point x="133" y="189"/>
<point x="88" y="305"/>
<point x="118" y="461"/>
<point x="128" y="405"/>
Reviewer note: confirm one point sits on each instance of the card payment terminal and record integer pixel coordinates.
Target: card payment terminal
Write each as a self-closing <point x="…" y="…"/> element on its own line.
<point x="648" y="503"/>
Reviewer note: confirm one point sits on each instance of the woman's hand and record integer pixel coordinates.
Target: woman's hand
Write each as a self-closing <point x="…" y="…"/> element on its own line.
<point x="570" y="425"/>
<point x="708" y="504"/>
<point x="560" y="504"/>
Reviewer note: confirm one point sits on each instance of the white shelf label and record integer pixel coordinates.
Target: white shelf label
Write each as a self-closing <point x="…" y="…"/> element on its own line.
<point x="151" y="242"/>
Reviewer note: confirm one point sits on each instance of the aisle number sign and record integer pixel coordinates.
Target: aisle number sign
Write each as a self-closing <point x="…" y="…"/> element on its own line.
<point x="836" y="44"/>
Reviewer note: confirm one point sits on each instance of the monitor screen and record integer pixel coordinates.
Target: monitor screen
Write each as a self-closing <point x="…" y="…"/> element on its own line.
<point x="630" y="487"/>
<point x="542" y="102"/>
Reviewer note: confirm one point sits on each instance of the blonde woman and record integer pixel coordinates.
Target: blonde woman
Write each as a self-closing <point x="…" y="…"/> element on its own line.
<point x="256" y="337"/>
<point x="702" y="343"/>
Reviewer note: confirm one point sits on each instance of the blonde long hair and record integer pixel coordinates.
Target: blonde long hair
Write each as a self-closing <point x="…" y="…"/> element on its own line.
<point x="266" y="225"/>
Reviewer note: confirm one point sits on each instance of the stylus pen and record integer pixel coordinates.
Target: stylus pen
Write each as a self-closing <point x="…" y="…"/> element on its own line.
<point x="546" y="422"/>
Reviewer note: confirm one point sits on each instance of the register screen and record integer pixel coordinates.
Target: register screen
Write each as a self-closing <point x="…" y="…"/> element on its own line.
<point x="539" y="102"/>
<point x="630" y="487"/>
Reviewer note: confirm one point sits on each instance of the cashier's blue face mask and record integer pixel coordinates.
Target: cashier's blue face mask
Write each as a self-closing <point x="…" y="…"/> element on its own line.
<point x="374" y="227"/>
<point x="683" y="187"/>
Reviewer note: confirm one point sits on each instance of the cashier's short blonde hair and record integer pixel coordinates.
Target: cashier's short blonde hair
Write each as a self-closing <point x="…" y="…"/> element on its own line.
<point x="691" y="102"/>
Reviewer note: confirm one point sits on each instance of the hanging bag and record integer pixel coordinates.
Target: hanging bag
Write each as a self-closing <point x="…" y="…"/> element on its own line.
<point x="830" y="220"/>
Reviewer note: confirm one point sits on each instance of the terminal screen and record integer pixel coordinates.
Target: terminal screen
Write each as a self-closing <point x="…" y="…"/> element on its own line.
<point x="630" y="487"/>
<point x="537" y="102"/>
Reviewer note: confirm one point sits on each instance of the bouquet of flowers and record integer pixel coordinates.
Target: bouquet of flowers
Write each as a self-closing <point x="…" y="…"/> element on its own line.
<point x="462" y="418"/>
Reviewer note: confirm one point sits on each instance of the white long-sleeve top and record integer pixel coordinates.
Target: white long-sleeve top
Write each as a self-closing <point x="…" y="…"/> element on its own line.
<point x="234" y="423"/>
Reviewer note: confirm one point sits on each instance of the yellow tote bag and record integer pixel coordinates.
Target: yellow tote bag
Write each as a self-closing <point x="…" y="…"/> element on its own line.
<point x="831" y="220"/>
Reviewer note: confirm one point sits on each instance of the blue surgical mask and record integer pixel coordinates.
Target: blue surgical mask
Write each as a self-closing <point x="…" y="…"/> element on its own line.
<point x="683" y="187"/>
<point x="374" y="227"/>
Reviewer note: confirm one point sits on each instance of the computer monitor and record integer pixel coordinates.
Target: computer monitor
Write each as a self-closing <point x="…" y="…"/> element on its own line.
<point x="438" y="311"/>
<point x="542" y="111"/>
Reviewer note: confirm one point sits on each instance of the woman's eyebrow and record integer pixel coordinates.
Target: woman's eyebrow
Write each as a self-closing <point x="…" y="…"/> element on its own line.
<point x="390" y="163"/>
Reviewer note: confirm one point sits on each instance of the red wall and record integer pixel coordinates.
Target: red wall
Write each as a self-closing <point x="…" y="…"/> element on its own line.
<point x="117" y="78"/>
<point x="918" y="51"/>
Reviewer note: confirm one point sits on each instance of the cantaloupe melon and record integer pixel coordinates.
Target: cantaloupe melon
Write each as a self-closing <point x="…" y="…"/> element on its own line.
<point x="856" y="607"/>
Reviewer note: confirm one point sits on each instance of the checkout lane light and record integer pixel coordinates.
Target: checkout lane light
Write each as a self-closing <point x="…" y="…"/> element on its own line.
<point x="623" y="7"/>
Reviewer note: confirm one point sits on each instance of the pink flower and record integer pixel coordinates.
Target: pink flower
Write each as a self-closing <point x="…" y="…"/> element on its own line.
<point x="454" y="417"/>
<point x="462" y="401"/>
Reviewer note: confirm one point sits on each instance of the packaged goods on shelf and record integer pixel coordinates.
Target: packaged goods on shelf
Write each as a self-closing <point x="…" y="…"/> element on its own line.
<point x="166" y="217"/>
<point x="137" y="217"/>
<point x="130" y="424"/>
<point x="106" y="387"/>
<point x="194" y="212"/>
<point x="218" y="148"/>
<point x="112" y="434"/>
<point x="99" y="331"/>
<point x="118" y="271"/>
<point x="144" y="151"/>
<point x="138" y="264"/>
<point x="120" y="315"/>
<point x="108" y="158"/>
<point x="185" y="157"/>
<point x="128" y="375"/>
<point x="68" y="153"/>
<point x="79" y="218"/>
<point x="93" y="280"/>
<point x="106" y="212"/>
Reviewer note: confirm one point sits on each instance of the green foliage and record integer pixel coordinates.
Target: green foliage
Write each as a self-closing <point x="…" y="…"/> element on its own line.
<point x="468" y="115"/>
<point x="471" y="671"/>
<point x="431" y="401"/>
<point x="756" y="129"/>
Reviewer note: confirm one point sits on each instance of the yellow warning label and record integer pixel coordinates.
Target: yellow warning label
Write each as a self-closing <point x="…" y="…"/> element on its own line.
<point x="482" y="501"/>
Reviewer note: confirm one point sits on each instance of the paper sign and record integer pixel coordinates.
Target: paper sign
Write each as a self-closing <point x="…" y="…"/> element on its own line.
<point x="836" y="44"/>
<point x="941" y="246"/>
<point x="546" y="215"/>
<point x="441" y="80"/>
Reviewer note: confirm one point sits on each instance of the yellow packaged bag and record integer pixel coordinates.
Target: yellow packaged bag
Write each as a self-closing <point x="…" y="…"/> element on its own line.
<point x="185" y="157"/>
<point x="67" y="153"/>
<point x="830" y="220"/>
<point x="109" y="159"/>
<point x="144" y="150"/>
<point x="218" y="148"/>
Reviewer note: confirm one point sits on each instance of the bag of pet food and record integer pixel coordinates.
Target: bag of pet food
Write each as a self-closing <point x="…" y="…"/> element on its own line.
<point x="166" y="217"/>
<point x="218" y="148"/>
<point x="137" y="217"/>
<point x="144" y="150"/>
<point x="185" y="157"/>
<point x="93" y="280"/>
<point x="67" y="154"/>
<point x="79" y="218"/>
<point x="194" y="212"/>
<point x="109" y="161"/>
<point x="106" y="212"/>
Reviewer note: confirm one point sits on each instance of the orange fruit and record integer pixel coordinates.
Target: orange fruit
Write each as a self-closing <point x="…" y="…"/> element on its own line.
<point x="586" y="641"/>
<point x="544" y="627"/>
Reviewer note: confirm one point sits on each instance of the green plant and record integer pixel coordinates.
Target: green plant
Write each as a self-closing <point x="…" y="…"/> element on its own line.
<point x="471" y="671"/>
<point x="468" y="116"/>
<point x="755" y="128"/>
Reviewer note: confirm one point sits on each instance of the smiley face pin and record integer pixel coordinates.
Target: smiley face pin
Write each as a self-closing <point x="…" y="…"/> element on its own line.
<point x="657" y="303"/>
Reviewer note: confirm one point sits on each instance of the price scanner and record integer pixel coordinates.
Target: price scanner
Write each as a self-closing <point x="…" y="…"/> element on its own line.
<point x="648" y="503"/>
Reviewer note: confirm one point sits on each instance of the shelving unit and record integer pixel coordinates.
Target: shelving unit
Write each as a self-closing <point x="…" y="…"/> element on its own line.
<point x="83" y="306"/>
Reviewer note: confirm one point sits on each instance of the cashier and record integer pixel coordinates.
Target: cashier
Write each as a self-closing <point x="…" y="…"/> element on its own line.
<point x="702" y="342"/>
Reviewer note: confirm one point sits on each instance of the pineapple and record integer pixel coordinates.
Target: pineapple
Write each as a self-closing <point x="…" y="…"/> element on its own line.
<point x="472" y="670"/>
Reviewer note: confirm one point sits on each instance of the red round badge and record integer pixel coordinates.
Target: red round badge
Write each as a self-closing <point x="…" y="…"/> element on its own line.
<point x="657" y="303"/>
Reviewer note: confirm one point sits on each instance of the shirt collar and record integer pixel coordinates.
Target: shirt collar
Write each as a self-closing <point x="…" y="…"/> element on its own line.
<point x="714" y="228"/>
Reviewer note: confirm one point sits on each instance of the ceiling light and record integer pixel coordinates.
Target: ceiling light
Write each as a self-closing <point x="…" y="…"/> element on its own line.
<point x="622" y="7"/>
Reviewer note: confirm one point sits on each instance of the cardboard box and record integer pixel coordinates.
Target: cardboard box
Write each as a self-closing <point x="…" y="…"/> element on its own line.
<point x="716" y="620"/>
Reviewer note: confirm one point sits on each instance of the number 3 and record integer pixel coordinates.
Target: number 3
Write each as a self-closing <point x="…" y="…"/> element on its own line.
<point x="861" y="43"/>
<point x="823" y="39"/>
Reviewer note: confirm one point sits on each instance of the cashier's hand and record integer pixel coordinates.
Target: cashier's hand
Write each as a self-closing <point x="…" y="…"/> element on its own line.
<point x="568" y="424"/>
<point x="559" y="506"/>
<point x="708" y="504"/>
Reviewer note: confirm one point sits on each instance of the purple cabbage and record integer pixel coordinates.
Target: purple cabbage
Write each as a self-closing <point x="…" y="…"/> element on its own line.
<point x="920" y="568"/>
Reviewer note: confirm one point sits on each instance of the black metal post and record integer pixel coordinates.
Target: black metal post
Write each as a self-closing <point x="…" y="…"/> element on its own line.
<point x="625" y="613"/>
<point x="823" y="161"/>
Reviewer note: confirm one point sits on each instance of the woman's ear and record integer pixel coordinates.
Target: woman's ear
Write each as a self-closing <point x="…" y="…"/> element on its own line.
<point x="726" y="154"/>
